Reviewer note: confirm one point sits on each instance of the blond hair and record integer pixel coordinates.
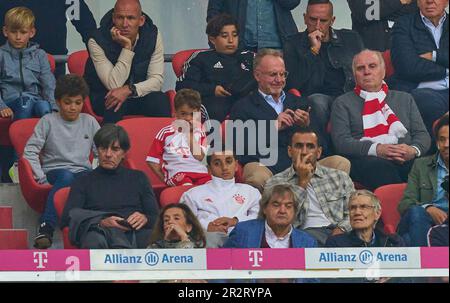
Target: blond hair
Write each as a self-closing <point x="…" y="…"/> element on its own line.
<point x="19" y="18"/>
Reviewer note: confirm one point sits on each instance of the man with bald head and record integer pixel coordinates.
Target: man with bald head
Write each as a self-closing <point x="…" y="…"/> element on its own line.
<point x="319" y="60"/>
<point x="125" y="70"/>
<point x="378" y="129"/>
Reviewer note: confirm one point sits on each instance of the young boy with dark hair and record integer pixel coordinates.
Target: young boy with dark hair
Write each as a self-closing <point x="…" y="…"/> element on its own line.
<point x="222" y="75"/>
<point x="222" y="203"/>
<point x="60" y="146"/>
<point x="176" y="156"/>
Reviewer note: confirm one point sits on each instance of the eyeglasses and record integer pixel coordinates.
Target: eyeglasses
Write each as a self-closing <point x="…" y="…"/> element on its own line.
<point x="282" y="75"/>
<point x="363" y="207"/>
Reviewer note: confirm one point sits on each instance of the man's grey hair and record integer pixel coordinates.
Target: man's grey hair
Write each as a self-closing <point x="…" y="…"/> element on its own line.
<point x="278" y="190"/>
<point x="377" y="53"/>
<point x="366" y="193"/>
<point x="263" y="53"/>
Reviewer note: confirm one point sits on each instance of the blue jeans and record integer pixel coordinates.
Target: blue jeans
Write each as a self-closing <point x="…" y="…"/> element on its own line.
<point x="59" y="178"/>
<point x="27" y="107"/>
<point x="414" y="226"/>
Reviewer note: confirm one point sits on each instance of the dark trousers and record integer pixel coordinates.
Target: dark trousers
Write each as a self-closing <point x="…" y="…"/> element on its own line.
<point x="96" y="239"/>
<point x="59" y="178"/>
<point x="155" y="104"/>
<point x="414" y="226"/>
<point x="218" y="107"/>
<point x="432" y="105"/>
<point x="373" y="172"/>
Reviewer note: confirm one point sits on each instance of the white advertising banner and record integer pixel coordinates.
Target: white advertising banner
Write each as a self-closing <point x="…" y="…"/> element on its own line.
<point x="148" y="259"/>
<point x="353" y="258"/>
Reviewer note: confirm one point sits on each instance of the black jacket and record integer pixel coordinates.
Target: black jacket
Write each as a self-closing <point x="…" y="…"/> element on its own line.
<point x="307" y="71"/>
<point x="238" y="9"/>
<point x="51" y="29"/>
<point x="143" y="50"/>
<point x="204" y="70"/>
<point x="254" y="107"/>
<point x="351" y="239"/>
<point x="122" y="191"/>
<point x="410" y="39"/>
<point x="438" y="235"/>
<point x="376" y="34"/>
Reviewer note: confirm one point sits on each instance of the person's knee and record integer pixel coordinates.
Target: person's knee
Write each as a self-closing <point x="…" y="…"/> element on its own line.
<point x="256" y="175"/>
<point x="417" y="214"/>
<point x="337" y="162"/>
<point x="42" y="108"/>
<point x="94" y="240"/>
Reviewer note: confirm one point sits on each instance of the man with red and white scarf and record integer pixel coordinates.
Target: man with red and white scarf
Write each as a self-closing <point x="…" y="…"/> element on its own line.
<point x="379" y="130"/>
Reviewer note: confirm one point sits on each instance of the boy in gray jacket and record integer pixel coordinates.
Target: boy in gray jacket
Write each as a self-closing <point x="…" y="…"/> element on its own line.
<point x="27" y="84"/>
<point x="59" y="148"/>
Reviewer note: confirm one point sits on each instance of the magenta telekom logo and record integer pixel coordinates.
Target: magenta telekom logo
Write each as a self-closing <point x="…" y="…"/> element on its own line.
<point x="255" y="257"/>
<point x="40" y="258"/>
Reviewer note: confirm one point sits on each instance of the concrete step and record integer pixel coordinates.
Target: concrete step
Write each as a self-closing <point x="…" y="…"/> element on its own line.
<point x="6" y="217"/>
<point x="13" y="239"/>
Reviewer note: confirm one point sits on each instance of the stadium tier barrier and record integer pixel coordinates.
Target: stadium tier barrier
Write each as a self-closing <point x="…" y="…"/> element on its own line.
<point x="169" y="264"/>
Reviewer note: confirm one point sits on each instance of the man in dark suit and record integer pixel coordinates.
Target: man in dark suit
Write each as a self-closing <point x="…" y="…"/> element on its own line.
<point x="264" y="24"/>
<point x="420" y="58"/>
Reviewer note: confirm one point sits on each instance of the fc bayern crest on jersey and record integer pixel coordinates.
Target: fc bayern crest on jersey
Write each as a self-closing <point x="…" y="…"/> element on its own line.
<point x="239" y="199"/>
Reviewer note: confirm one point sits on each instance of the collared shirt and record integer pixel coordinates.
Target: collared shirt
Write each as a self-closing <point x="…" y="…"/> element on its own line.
<point x="332" y="188"/>
<point x="274" y="241"/>
<point x="372" y="242"/>
<point x="436" y="32"/>
<point x="440" y="200"/>
<point x="278" y="106"/>
<point x="261" y="30"/>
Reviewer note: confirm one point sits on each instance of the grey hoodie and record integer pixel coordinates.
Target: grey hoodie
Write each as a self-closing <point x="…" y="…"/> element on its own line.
<point x="25" y="72"/>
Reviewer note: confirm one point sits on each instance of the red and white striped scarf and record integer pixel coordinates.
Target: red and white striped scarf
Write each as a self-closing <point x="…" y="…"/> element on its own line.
<point x="380" y="123"/>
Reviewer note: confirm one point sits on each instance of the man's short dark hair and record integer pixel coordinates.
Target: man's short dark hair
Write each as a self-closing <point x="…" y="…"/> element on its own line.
<point x="217" y="23"/>
<point x="222" y="151"/>
<point x="304" y="130"/>
<point x="71" y="85"/>
<point x="110" y="133"/>
<point x="443" y="121"/>
<point x="188" y="97"/>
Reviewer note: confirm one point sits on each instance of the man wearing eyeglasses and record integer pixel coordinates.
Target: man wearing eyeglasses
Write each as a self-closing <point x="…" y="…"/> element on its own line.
<point x="365" y="211"/>
<point x="269" y="103"/>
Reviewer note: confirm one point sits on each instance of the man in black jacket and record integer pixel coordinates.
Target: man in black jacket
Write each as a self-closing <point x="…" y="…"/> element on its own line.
<point x="51" y="22"/>
<point x="125" y="70"/>
<point x="264" y="24"/>
<point x="319" y="60"/>
<point x="420" y="57"/>
<point x="275" y="114"/>
<point x="112" y="206"/>
<point x="374" y="20"/>
<point x="221" y="75"/>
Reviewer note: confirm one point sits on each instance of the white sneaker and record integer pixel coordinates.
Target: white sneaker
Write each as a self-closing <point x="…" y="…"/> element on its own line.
<point x="14" y="173"/>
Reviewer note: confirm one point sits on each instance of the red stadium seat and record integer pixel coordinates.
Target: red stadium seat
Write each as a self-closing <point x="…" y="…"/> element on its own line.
<point x="142" y="131"/>
<point x="60" y="202"/>
<point x="180" y="58"/>
<point x="34" y="193"/>
<point x="52" y="62"/>
<point x="295" y="92"/>
<point x="77" y="61"/>
<point x="390" y="196"/>
<point x="173" y="194"/>
<point x="388" y="63"/>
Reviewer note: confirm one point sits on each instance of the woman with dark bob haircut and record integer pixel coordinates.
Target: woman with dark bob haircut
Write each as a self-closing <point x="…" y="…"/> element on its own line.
<point x="177" y="227"/>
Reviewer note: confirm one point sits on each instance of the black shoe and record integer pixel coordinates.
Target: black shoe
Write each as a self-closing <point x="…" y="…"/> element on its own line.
<point x="44" y="237"/>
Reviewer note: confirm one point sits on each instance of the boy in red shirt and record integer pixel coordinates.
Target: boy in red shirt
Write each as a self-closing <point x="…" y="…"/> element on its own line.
<point x="177" y="153"/>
